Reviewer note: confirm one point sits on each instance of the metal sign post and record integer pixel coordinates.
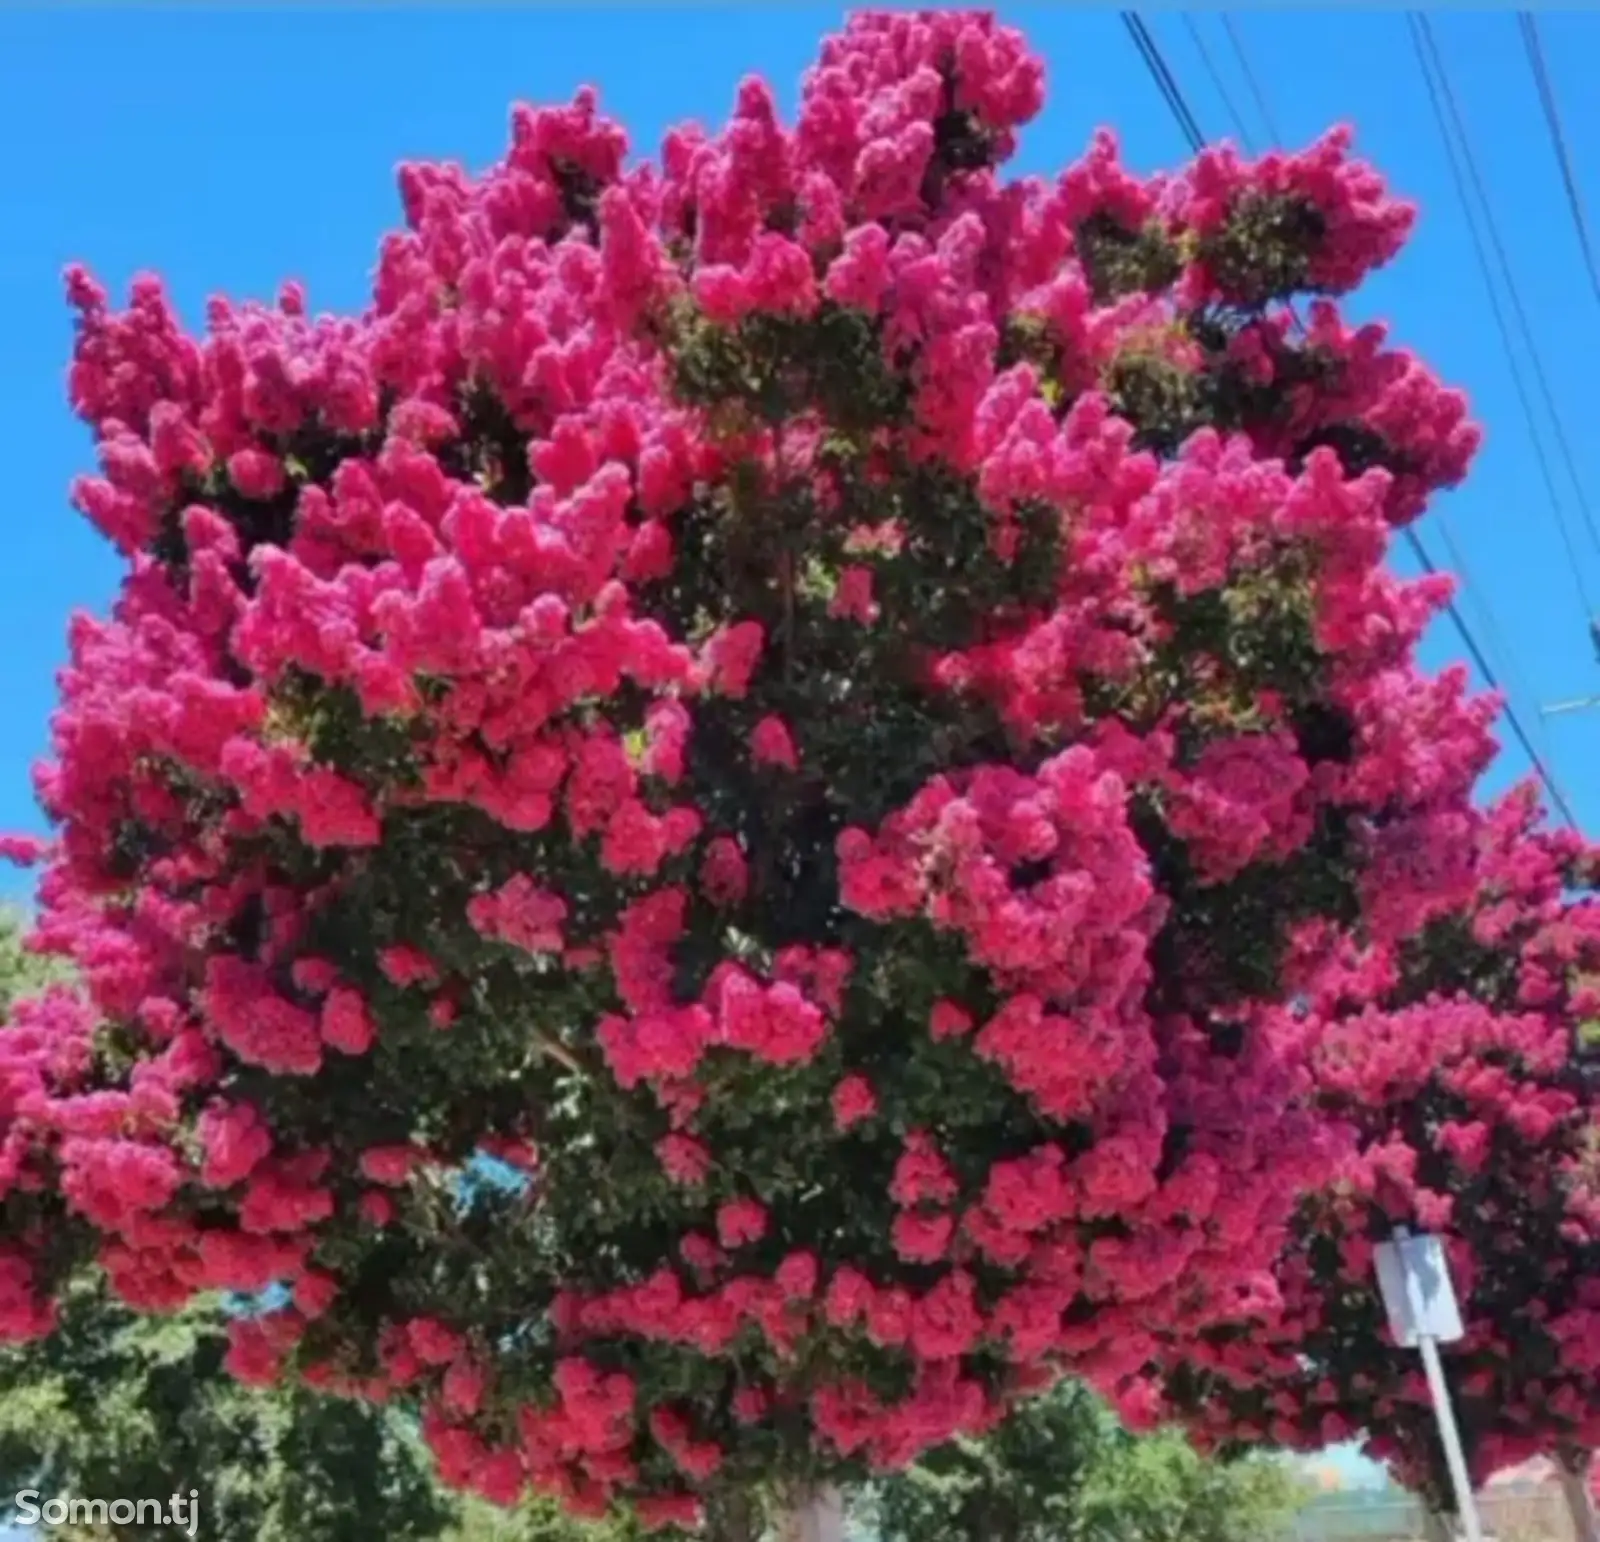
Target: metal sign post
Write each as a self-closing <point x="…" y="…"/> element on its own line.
<point x="1414" y="1280"/>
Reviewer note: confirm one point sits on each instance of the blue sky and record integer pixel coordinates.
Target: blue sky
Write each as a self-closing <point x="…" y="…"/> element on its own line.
<point x="229" y="150"/>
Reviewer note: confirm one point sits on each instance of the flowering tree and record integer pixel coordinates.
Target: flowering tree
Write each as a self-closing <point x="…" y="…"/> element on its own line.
<point x="797" y="696"/>
<point x="1458" y="1059"/>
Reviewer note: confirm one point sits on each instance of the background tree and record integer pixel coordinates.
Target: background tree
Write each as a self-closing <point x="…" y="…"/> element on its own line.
<point x="800" y="694"/>
<point x="23" y="972"/>
<point x="1461" y="1062"/>
<point x="1061" y="1469"/>
<point x="1025" y="1482"/>
<point x="118" y="1404"/>
<point x="1157" y="1488"/>
<point x="536" y="1519"/>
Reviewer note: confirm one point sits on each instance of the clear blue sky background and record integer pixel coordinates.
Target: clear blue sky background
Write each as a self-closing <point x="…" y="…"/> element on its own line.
<point x="229" y="150"/>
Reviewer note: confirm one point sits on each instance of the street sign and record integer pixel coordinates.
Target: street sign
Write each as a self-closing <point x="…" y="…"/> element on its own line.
<point x="1414" y="1279"/>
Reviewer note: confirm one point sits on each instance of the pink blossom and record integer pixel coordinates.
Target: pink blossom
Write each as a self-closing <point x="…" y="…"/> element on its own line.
<point x="853" y="1100"/>
<point x="771" y="744"/>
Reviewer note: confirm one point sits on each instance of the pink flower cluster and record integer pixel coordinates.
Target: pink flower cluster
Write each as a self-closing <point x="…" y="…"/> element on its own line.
<point x="712" y="635"/>
<point x="1360" y="224"/>
<point x="1455" y="1062"/>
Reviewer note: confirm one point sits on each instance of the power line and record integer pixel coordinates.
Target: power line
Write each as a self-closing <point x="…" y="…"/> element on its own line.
<point x="1422" y="34"/>
<point x="1426" y="60"/>
<point x="1499" y="645"/>
<point x="1167" y="84"/>
<point x="1556" y="795"/>
<point x="1250" y="80"/>
<point x="1413" y="538"/>
<point x="1217" y="81"/>
<point x="1552" y="117"/>
<point x="1150" y="52"/>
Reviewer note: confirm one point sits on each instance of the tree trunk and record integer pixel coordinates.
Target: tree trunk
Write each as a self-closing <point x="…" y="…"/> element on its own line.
<point x="733" y="1517"/>
<point x="1573" y="1469"/>
<point x="817" y="1518"/>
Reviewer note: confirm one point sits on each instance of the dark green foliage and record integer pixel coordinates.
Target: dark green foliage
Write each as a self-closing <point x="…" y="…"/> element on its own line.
<point x="119" y="1405"/>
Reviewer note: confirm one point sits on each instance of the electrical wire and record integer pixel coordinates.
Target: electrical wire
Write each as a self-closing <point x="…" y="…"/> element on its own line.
<point x="1413" y="537"/>
<point x="1150" y="52"/>
<point x="1556" y="795"/>
<point x="1552" y="116"/>
<point x="1250" y="80"/>
<point x="1422" y="36"/>
<point x="1198" y="39"/>
<point x="1458" y="177"/>
<point x="1499" y="645"/>
<point x="1172" y="93"/>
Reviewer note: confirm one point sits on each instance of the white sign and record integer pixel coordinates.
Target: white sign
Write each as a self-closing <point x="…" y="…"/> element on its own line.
<point x="1414" y="1279"/>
